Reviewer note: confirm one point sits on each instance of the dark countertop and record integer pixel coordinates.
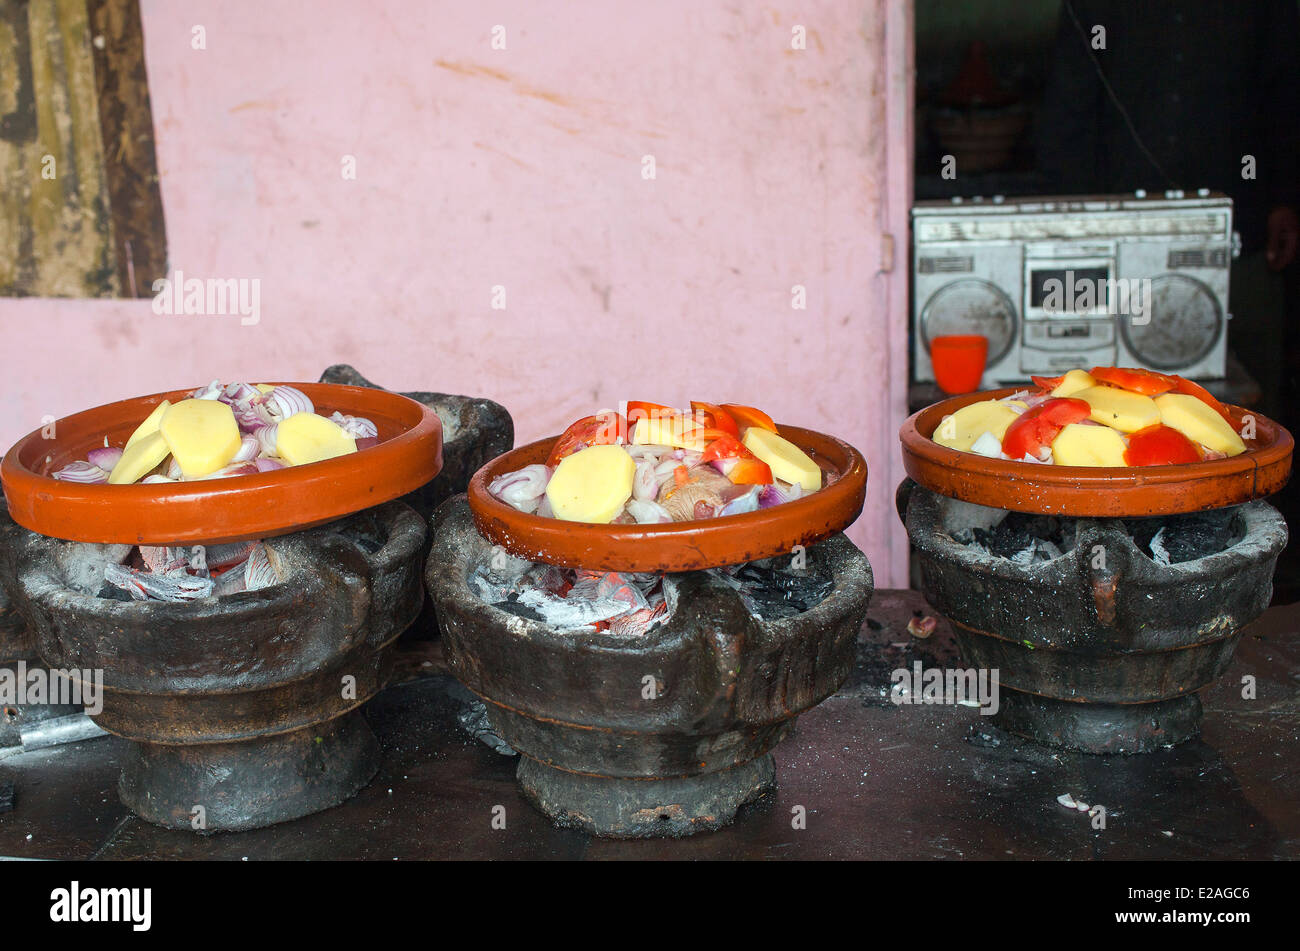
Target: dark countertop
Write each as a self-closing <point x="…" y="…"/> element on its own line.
<point x="878" y="781"/>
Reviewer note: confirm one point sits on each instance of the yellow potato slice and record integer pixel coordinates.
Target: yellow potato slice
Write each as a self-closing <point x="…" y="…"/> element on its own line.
<point x="667" y="431"/>
<point x="1074" y="382"/>
<point x="1120" y="409"/>
<point x="591" y="485"/>
<point x="962" y="428"/>
<point x="786" y="460"/>
<point x="1080" y="445"/>
<point x="139" y="459"/>
<point x="150" y="424"/>
<point x="202" y="435"/>
<point x="1199" y="423"/>
<point x="309" y="437"/>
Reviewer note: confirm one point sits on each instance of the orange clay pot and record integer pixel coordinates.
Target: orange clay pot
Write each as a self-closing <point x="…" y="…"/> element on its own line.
<point x="408" y="455"/>
<point x="1083" y="491"/>
<point x="680" y="546"/>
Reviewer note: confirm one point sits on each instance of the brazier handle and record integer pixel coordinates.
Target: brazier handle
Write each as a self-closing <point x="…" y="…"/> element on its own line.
<point x="1104" y="553"/>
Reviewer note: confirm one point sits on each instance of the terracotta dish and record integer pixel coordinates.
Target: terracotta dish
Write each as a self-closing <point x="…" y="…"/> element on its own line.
<point x="408" y="455"/>
<point x="681" y="546"/>
<point x="1082" y="491"/>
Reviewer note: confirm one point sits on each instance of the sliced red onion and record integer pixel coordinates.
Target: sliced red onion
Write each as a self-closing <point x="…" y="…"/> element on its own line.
<point x="249" y="447"/>
<point x="746" y="502"/>
<point x="366" y="442"/>
<point x="358" y="427"/>
<point x="266" y="438"/>
<point x="284" y="401"/>
<point x="239" y="393"/>
<point x="250" y="414"/>
<point x="155" y="479"/>
<point x="210" y="392"/>
<point x="522" y="489"/>
<point x="778" y="493"/>
<point x="647" y="512"/>
<point x="268" y="465"/>
<point x="232" y="470"/>
<point x="174" y="471"/>
<point x="544" y="508"/>
<point x="106" y="459"/>
<point x="724" y="465"/>
<point x="81" y="471"/>
<point x="645" y="485"/>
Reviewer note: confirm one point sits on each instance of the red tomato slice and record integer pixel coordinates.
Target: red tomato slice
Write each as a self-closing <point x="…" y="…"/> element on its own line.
<point x="1159" y="445"/>
<point x="1047" y="383"/>
<point x="600" y="430"/>
<point x="1188" y="388"/>
<point x="1035" y="429"/>
<point x="1145" y="382"/>
<point x="725" y="446"/>
<point x="750" y="472"/>
<point x="640" y="409"/>
<point x="715" y="417"/>
<point x="748" y="416"/>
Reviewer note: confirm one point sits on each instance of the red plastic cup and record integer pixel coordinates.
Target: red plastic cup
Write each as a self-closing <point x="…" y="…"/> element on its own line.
<point x="958" y="361"/>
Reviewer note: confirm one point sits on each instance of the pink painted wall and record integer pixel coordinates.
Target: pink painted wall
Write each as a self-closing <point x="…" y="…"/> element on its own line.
<point x="523" y="167"/>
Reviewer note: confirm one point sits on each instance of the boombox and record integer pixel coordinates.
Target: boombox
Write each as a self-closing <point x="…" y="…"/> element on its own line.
<point x="1057" y="283"/>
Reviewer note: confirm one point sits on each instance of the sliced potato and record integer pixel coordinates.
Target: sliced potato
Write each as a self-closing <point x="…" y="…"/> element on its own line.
<point x="1120" y="409"/>
<point x="962" y="428"/>
<point x="591" y="485"/>
<point x="786" y="460"/>
<point x="1078" y="444"/>
<point x="310" y="437"/>
<point x="138" y="459"/>
<point x="665" y="430"/>
<point x="150" y="424"/>
<point x="1199" y="423"/>
<point x="202" y="435"/>
<point x="1074" y="382"/>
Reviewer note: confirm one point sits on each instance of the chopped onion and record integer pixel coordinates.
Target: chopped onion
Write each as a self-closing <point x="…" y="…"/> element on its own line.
<point x="778" y="493"/>
<point x="249" y="447"/>
<point x="645" y="485"/>
<point x="747" y="502"/>
<point x="81" y="471"/>
<point x="239" y="393"/>
<point x="523" y="488"/>
<point x="106" y="459"/>
<point x="174" y="471"/>
<point x="266" y="438"/>
<point x="210" y="392"/>
<point x="358" y="427"/>
<point x="647" y="513"/>
<point x="155" y="479"/>
<point x="284" y="401"/>
<point x="268" y="465"/>
<point x="234" y="469"/>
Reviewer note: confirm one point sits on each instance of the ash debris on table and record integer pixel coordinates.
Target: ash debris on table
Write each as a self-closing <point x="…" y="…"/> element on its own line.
<point x="1022" y="538"/>
<point x="1178" y="538"/>
<point x="629" y="603"/>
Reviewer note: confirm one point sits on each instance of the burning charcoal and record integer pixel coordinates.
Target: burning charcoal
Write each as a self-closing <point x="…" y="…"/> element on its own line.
<point x="567" y="613"/>
<point x="1021" y="538"/>
<point x="1180" y="538"/>
<point x="175" y="585"/>
<point x="512" y="605"/>
<point x="111" y="592"/>
<point x="473" y="719"/>
<point x="771" y="591"/>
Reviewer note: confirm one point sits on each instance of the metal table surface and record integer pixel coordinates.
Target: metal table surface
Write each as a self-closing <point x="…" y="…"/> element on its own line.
<point x="877" y="781"/>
